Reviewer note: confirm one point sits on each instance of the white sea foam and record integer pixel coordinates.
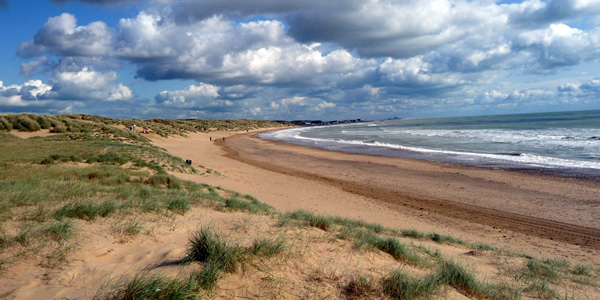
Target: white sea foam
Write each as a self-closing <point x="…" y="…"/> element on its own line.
<point x="558" y="138"/>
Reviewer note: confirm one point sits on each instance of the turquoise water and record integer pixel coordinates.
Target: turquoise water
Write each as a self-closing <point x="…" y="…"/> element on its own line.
<point x="565" y="143"/>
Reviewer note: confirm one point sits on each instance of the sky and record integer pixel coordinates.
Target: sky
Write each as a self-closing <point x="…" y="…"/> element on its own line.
<point x="298" y="59"/>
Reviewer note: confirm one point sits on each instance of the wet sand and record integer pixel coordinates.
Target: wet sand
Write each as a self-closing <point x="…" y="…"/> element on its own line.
<point x="554" y="208"/>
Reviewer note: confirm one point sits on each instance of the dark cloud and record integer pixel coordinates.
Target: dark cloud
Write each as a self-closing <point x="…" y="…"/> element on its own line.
<point x="189" y="11"/>
<point x="537" y="14"/>
<point x="40" y="66"/>
<point x="374" y="29"/>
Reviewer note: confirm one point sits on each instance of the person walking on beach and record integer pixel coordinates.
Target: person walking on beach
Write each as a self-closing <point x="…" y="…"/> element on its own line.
<point x="210" y="138"/>
<point x="223" y="139"/>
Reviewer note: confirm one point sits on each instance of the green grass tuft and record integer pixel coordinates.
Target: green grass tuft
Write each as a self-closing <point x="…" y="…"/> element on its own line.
<point x="313" y="220"/>
<point x="439" y="238"/>
<point x="143" y="286"/>
<point x="252" y="206"/>
<point x="267" y="247"/>
<point x="205" y="246"/>
<point x="457" y="276"/>
<point x="412" y="233"/>
<point x="208" y="277"/>
<point x="59" y="231"/>
<point x="396" y="249"/>
<point x="583" y="270"/>
<point x="86" y="210"/>
<point x="178" y="205"/>
<point x="401" y="285"/>
<point x="546" y="269"/>
<point x="164" y="180"/>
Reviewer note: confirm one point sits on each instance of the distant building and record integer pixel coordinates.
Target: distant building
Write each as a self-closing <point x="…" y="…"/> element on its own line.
<point x="321" y="123"/>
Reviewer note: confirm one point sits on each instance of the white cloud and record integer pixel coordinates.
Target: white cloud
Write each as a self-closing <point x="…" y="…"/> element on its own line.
<point x="417" y="74"/>
<point x="323" y="105"/>
<point x="296" y="101"/>
<point x="255" y="111"/>
<point x="61" y="36"/>
<point x="560" y="45"/>
<point x="31" y="90"/>
<point x="88" y="84"/>
<point x="194" y="96"/>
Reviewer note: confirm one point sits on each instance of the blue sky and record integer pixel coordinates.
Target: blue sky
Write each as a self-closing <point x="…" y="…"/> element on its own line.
<point x="298" y="59"/>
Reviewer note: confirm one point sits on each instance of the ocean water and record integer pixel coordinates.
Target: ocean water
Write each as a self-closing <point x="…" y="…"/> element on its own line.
<point x="565" y="143"/>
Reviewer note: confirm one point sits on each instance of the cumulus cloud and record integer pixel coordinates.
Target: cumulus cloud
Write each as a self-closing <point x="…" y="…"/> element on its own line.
<point x="31" y="90"/>
<point x="61" y="36"/>
<point x="224" y="52"/>
<point x="84" y="91"/>
<point x="87" y="84"/>
<point x="588" y="90"/>
<point x="374" y="28"/>
<point x="303" y="103"/>
<point x="193" y="97"/>
<point x="560" y="45"/>
<point x="29" y="97"/>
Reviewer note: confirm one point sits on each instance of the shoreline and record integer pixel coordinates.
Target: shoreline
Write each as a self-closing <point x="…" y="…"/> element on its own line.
<point x="535" y="216"/>
<point x="466" y="159"/>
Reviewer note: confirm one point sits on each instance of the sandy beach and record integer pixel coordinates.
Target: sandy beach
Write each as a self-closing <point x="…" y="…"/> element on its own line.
<point x="542" y="215"/>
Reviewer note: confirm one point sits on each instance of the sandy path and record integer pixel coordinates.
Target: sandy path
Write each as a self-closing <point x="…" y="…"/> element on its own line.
<point x="291" y="177"/>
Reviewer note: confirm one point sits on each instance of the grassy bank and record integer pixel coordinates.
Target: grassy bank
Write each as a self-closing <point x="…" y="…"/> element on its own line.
<point x="119" y="128"/>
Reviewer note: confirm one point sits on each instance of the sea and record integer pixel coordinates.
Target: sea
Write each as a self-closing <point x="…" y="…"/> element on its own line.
<point x="559" y="143"/>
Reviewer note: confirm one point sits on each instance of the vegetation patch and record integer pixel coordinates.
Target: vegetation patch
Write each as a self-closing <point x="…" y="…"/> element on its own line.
<point x="144" y="286"/>
<point x="401" y="285"/>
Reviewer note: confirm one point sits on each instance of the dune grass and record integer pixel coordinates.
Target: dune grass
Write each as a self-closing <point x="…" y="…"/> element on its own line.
<point x="400" y="284"/>
<point x="207" y="247"/>
<point x="218" y="255"/>
<point x="144" y="286"/>
<point x="53" y="180"/>
<point x="119" y="128"/>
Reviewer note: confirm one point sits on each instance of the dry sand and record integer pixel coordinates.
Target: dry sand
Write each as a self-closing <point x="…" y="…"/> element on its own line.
<point x="541" y="215"/>
<point x="27" y="134"/>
